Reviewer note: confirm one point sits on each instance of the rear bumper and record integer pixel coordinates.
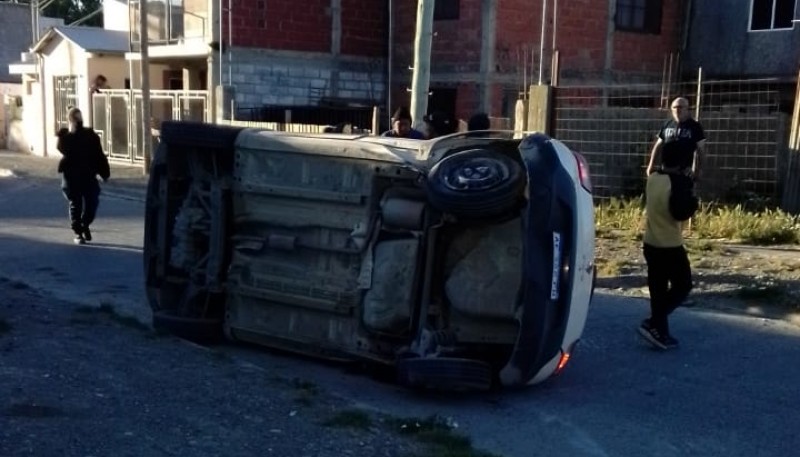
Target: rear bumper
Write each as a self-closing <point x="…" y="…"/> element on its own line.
<point x="545" y="299"/>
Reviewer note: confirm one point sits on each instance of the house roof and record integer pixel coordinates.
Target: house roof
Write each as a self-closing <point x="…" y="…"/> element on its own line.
<point x="90" y="39"/>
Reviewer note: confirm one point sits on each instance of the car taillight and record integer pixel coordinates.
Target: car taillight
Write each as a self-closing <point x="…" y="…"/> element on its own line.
<point x="583" y="172"/>
<point x="565" y="356"/>
<point x="562" y="362"/>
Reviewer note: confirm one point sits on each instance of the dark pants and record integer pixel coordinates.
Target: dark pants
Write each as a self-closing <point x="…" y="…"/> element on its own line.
<point x="83" y="197"/>
<point x="669" y="278"/>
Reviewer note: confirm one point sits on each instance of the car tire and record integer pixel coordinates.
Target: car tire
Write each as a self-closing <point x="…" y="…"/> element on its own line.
<point x="197" y="330"/>
<point x="446" y="374"/>
<point x="476" y="184"/>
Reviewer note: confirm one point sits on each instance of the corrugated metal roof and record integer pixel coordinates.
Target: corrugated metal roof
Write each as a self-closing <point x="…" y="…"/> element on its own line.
<point x="91" y="39"/>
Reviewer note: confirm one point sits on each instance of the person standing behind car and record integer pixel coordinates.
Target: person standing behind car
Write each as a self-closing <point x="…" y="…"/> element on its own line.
<point x="438" y="123"/>
<point x="401" y="126"/>
<point x="680" y="142"/>
<point x="479" y="121"/>
<point x="83" y="160"/>
<point x="669" y="200"/>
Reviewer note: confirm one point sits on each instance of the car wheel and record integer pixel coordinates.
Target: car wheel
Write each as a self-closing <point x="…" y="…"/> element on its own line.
<point x="444" y="374"/>
<point x="197" y="330"/>
<point x="476" y="184"/>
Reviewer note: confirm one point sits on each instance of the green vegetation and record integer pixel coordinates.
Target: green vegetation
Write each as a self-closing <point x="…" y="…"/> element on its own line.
<point x="438" y="435"/>
<point x="351" y="418"/>
<point x="307" y="391"/>
<point x="84" y="314"/>
<point x="767" y="226"/>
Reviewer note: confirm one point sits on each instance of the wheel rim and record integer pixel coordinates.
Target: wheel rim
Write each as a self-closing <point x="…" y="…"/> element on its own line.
<point x="476" y="174"/>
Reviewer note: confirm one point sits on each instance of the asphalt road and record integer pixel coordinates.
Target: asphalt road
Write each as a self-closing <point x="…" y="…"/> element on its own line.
<point x="730" y="390"/>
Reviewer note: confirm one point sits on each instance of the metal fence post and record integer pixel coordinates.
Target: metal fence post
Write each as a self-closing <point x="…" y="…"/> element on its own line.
<point x="699" y="93"/>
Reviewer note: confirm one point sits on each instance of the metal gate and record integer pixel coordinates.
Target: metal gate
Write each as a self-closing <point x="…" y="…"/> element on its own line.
<point x="66" y="97"/>
<point x="116" y="117"/>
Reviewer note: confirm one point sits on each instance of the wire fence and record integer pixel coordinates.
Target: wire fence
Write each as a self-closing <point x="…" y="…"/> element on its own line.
<point x="615" y="127"/>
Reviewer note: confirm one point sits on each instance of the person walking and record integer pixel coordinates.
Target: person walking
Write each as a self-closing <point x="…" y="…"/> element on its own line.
<point x="83" y="160"/>
<point x="680" y="142"/>
<point x="669" y="200"/>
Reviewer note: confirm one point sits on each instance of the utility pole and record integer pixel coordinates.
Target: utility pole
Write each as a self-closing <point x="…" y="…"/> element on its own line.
<point x="144" y="65"/>
<point x="421" y="77"/>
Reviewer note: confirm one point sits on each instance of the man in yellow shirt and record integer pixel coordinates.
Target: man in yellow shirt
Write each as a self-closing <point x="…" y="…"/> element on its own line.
<point x="669" y="275"/>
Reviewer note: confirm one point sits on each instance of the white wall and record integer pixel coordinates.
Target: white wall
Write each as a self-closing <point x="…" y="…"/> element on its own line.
<point x="64" y="59"/>
<point x="27" y="135"/>
<point x="8" y="94"/>
<point x="116" y="15"/>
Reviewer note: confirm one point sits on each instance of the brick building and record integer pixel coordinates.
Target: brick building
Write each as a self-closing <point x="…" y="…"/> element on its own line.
<point x="323" y="51"/>
<point x="484" y="51"/>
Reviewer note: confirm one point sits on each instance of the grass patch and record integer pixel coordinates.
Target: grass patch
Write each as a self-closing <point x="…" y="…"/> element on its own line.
<point x="764" y="226"/>
<point x="84" y="313"/>
<point x="5" y="326"/>
<point x="351" y="418"/>
<point x="439" y="437"/>
<point x="307" y="391"/>
<point x="607" y="268"/>
<point x="617" y="216"/>
<point x="304" y="385"/>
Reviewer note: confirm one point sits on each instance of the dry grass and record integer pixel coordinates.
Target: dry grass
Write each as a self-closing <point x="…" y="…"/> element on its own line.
<point x="617" y="217"/>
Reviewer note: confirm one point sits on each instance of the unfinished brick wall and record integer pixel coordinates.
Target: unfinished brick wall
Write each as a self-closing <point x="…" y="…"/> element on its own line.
<point x="581" y="30"/>
<point x="308" y="26"/>
<point x="284" y="52"/>
<point x="364" y="31"/>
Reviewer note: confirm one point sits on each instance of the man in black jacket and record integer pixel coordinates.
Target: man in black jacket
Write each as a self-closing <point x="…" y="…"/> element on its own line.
<point x="83" y="160"/>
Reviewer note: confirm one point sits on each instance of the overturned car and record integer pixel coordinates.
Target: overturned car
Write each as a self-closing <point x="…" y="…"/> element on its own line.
<point x="464" y="262"/>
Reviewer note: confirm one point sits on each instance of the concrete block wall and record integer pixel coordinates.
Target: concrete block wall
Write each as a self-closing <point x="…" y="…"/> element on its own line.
<point x="268" y="77"/>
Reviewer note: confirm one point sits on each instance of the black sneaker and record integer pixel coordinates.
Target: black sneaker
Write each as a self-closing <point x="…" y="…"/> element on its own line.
<point x="87" y="234"/>
<point x="655" y="337"/>
<point x="79" y="239"/>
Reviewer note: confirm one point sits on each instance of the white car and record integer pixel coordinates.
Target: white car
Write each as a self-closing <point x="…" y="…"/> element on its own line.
<point x="463" y="262"/>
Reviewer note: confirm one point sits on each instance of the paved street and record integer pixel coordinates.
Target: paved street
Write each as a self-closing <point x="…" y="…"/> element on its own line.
<point x="730" y="390"/>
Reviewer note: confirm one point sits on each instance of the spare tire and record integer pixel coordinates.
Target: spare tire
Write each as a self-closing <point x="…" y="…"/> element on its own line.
<point x="476" y="184"/>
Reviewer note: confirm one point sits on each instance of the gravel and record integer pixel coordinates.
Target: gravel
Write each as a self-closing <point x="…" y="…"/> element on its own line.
<point x="78" y="382"/>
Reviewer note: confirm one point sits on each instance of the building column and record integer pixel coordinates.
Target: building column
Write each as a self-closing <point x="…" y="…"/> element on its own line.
<point x="336" y="44"/>
<point x="488" y="38"/>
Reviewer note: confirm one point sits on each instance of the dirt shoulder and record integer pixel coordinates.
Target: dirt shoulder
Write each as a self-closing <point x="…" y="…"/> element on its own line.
<point x="752" y="280"/>
<point x="77" y="381"/>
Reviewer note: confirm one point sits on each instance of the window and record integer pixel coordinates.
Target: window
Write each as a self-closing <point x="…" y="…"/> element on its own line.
<point x="771" y="14"/>
<point x="65" y="90"/>
<point x="445" y="10"/>
<point x="643" y="16"/>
